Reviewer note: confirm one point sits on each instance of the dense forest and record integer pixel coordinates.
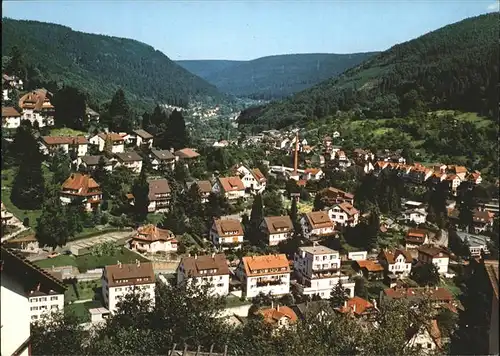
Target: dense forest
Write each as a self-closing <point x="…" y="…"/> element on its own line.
<point x="454" y="67"/>
<point x="274" y="77"/>
<point x="100" y="65"/>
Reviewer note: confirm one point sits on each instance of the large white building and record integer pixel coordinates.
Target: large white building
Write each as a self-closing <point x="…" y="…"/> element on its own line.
<point x="207" y="269"/>
<point x="344" y="214"/>
<point x="266" y="274"/>
<point x="318" y="270"/>
<point x="115" y="141"/>
<point x="43" y="301"/>
<point x="37" y="108"/>
<point x="121" y="279"/>
<point x="20" y="279"/>
<point x="76" y="144"/>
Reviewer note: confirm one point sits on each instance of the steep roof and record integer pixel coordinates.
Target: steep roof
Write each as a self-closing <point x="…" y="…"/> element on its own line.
<point x="258" y="175"/>
<point x="416" y="236"/>
<point x="391" y="256"/>
<point x="143" y="134"/>
<point x="204" y="186"/>
<point x="432" y="251"/>
<point x="130" y="156"/>
<point x="27" y="273"/>
<point x="214" y="265"/>
<point x="319" y="219"/>
<point x="113" y="136"/>
<point x="158" y="186"/>
<point x="82" y="183"/>
<point x="348" y="208"/>
<point x="371" y="266"/>
<point x="64" y="140"/>
<point x="255" y="265"/>
<point x="163" y="155"/>
<point x="130" y="274"/>
<point x="278" y="224"/>
<point x="9" y="111"/>
<point x="151" y="233"/>
<point x="226" y="227"/>
<point x="36" y="100"/>
<point x="186" y="153"/>
<point x="94" y="160"/>
<point x="356" y="305"/>
<point x="230" y="184"/>
<point x="273" y="315"/>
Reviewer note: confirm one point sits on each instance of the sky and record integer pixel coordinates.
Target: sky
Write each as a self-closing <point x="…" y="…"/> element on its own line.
<point x="244" y="30"/>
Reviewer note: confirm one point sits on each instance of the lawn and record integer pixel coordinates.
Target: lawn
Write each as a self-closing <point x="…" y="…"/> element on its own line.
<point x="84" y="290"/>
<point x="7" y="180"/>
<point x="64" y="131"/>
<point x="88" y="262"/>
<point x="81" y="310"/>
<point x="234" y="301"/>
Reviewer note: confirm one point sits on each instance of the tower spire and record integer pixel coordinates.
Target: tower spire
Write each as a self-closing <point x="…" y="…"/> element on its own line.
<point x="296" y="158"/>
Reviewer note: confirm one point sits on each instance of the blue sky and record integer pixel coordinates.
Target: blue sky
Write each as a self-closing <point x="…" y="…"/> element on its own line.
<point x="250" y="29"/>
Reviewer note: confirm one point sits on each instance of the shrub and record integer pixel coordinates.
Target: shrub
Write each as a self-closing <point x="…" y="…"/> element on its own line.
<point x="26" y="221"/>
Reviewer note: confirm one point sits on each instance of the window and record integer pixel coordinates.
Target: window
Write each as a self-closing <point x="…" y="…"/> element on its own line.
<point x="33" y="308"/>
<point x="33" y="300"/>
<point x="54" y="298"/>
<point x="43" y="307"/>
<point x="34" y="317"/>
<point x="43" y="299"/>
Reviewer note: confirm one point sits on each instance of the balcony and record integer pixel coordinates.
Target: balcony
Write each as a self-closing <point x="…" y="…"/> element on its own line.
<point x="267" y="283"/>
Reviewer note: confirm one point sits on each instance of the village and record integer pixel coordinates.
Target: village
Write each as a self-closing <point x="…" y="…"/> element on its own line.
<point x="298" y="257"/>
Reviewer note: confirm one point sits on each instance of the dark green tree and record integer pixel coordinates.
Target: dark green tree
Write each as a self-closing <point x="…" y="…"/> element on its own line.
<point x="338" y="295"/>
<point x="60" y="166"/>
<point x="70" y="108"/>
<point x="140" y="190"/>
<point x="273" y="203"/>
<point x="256" y="216"/>
<point x="466" y="204"/>
<point x="119" y="116"/>
<point x="176" y="134"/>
<point x="425" y="274"/>
<point x="16" y="65"/>
<point x="52" y="226"/>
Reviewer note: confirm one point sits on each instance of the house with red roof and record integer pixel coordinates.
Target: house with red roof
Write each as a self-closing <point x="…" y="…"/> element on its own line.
<point x="51" y="144"/>
<point x="231" y="187"/>
<point x="253" y="179"/>
<point x="37" y="108"/>
<point x="344" y="214"/>
<point x="115" y="141"/>
<point x="397" y="264"/>
<point x="150" y="238"/>
<point x="279" y="317"/>
<point x="11" y="119"/>
<point x="81" y="187"/>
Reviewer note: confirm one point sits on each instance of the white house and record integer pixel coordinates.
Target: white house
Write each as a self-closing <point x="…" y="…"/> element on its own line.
<point x="207" y="269"/>
<point x="397" y="264"/>
<point x="313" y="174"/>
<point x="20" y="279"/>
<point x="162" y="157"/>
<point x="252" y="179"/>
<point x="77" y="144"/>
<point x="121" y="279"/>
<point x="344" y="214"/>
<point x="11" y="119"/>
<point x="266" y="274"/>
<point x="81" y="187"/>
<point x="454" y="182"/>
<point x="357" y="255"/>
<point x="143" y="139"/>
<point x="416" y="238"/>
<point x="159" y="195"/>
<point x="317" y="224"/>
<point x="418" y="216"/>
<point x="115" y="141"/>
<point x="435" y="255"/>
<point x="231" y="187"/>
<point x="426" y="339"/>
<point x="278" y="318"/>
<point x="43" y="302"/>
<point x="477" y="243"/>
<point x="152" y="239"/>
<point x="131" y="160"/>
<point x="37" y="108"/>
<point x="276" y="229"/>
<point x="318" y="271"/>
<point x="227" y="233"/>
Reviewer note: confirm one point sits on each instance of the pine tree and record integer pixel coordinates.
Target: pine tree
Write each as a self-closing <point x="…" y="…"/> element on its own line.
<point x="16" y="65"/>
<point x="338" y="295"/>
<point x="119" y="115"/>
<point x="29" y="183"/>
<point x="100" y="173"/>
<point x="70" y="108"/>
<point x="256" y="216"/>
<point x="193" y="205"/>
<point x="140" y="190"/>
<point x="52" y="226"/>
<point x="176" y="135"/>
<point x="60" y="165"/>
<point x="466" y="205"/>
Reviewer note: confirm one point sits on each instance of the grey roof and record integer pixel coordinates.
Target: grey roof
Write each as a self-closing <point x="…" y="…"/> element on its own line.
<point x="91" y="112"/>
<point x="163" y="154"/>
<point x="129" y="156"/>
<point x="313" y="308"/>
<point x="473" y="240"/>
<point x="94" y="160"/>
<point x="143" y="133"/>
<point x="317" y="250"/>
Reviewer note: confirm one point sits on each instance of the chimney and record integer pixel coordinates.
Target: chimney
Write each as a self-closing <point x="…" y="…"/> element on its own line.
<point x="195" y="256"/>
<point x="138" y="263"/>
<point x="272" y="304"/>
<point x="278" y="307"/>
<point x="213" y="254"/>
<point x="119" y="264"/>
<point x="354" y="307"/>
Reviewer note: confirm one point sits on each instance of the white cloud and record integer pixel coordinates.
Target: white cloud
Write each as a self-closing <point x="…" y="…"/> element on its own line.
<point x="494" y="7"/>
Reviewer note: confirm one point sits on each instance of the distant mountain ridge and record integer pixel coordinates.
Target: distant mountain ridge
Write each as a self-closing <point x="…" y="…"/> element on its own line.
<point x="454" y="67"/>
<point x="273" y="76"/>
<point x="99" y="64"/>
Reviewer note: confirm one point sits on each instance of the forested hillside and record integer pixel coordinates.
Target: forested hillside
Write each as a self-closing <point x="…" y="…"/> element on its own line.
<point x="275" y="76"/>
<point x="99" y="64"/>
<point x="455" y="67"/>
<point x="204" y="68"/>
